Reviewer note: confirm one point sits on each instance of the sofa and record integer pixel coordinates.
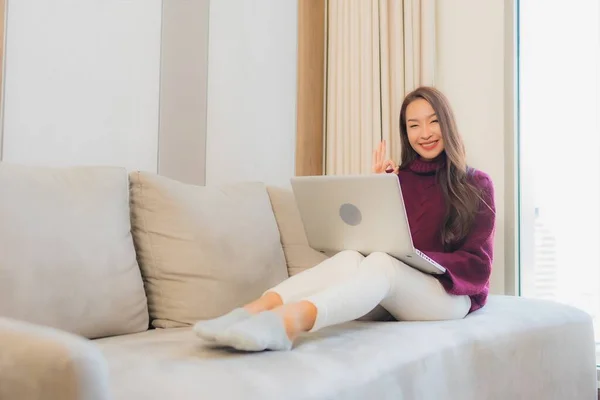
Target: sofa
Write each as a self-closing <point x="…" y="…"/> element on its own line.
<point x="103" y="272"/>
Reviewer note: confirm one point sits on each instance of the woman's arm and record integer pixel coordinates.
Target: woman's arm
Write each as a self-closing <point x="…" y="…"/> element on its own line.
<point x="469" y="268"/>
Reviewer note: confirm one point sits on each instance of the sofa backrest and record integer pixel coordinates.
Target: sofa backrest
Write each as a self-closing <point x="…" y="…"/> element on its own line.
<point x="99" y="252"/>
<point x="67" y="258"/>
<point x="299" y="255"/>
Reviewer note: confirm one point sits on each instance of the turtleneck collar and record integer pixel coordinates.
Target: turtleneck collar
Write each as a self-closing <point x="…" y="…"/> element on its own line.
<point x="424" y="167"/>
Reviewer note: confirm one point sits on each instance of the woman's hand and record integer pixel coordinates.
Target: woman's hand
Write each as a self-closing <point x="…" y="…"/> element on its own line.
<point x="379" y="164"/>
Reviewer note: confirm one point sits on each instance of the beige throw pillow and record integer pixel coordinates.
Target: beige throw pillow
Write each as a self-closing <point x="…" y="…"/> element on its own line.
<point x="67" y="258"/>
<point x="203" y="250"/>
<point x="299" y="255"/>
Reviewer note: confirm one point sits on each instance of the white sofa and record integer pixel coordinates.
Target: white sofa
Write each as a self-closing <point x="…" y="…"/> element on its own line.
<point x="103" y="272"/>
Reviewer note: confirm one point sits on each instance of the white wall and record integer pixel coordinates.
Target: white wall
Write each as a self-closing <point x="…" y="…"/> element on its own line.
<point x="82" y="82"/>
<point x="251" y="115"/>
<point x="471" y="71"/>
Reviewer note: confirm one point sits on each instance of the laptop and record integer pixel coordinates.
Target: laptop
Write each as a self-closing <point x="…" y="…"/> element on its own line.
<point x="364" y="213"/>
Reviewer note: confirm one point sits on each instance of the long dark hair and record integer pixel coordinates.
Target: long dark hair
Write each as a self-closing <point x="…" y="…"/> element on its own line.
<point x="462" y="198"/>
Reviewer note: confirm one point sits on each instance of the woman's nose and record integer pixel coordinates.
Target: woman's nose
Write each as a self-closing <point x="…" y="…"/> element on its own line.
<point x="426" y="133"/>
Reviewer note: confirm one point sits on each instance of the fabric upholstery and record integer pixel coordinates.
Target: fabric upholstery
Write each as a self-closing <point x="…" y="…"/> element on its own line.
<point x="67" y="258"/>
<point x="203" y="250"/>
<point x="514" y="348"/>
<point x="299" y="255"/>
<point x="41" y="363"/>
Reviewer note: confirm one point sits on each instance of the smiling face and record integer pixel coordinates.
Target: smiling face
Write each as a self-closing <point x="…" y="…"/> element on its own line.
<point x="423" y="129"/>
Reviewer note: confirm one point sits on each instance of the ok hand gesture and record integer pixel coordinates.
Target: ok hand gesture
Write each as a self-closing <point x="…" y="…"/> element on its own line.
<point x="379" y="164"/>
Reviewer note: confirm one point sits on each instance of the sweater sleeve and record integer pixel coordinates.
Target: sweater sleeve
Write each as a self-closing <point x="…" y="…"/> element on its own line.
<point x="468" y="269"/>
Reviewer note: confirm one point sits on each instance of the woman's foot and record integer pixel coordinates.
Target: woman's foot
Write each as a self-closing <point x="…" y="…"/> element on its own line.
<point x="266" y="302"/>
<point x="209" y="329"/>
<point x="297" y="317"/>
<point x="270" y="330"/>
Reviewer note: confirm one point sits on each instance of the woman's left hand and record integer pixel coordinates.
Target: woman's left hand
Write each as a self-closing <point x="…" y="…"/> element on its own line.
<point x="380" y="164"/>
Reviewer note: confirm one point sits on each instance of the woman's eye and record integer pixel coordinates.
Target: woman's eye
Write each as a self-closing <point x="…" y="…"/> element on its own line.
<point x="414" y="126"/>
<point x="434" y="121"/>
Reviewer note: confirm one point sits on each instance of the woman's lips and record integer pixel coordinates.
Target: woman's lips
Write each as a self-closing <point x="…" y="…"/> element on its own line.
<point x="430" y="145"/>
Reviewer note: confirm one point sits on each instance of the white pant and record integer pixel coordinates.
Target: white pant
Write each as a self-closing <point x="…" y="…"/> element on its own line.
<point x="348" y="286"/>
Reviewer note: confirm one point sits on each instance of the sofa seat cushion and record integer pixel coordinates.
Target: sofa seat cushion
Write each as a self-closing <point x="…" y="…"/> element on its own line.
<point x="514" y="348"/>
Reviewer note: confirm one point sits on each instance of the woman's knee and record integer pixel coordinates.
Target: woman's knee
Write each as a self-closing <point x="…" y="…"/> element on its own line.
<point x="349" y="256"/>
<point x="382" y="262"/>
<point x="393" y="268"/>
<point x="378" y="257"/>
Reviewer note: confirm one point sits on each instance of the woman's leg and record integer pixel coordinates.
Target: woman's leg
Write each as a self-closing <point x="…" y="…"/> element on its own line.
<point x="415" y="296"/>
<point x="341" y="266"/>
<point x="380" y="279"/>
<point x="406" y="293"/>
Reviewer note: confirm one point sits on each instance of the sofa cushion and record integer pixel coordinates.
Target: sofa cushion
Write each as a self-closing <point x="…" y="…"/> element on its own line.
<point x="299" y="255"/>
<point x="67" y="258"/>
<point x="203" y="250"/>
<point x="513" y="348"/>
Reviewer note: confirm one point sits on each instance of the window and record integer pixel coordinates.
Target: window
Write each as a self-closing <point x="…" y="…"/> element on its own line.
<point x="559" y="154"/>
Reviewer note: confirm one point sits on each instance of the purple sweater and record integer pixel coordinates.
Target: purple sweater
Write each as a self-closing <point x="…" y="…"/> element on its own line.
<point x="468" y="267"/>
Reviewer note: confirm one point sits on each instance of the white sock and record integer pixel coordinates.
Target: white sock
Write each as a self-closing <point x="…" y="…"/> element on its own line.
<point x="210" y="328"/>
<point x="264" y="331"/>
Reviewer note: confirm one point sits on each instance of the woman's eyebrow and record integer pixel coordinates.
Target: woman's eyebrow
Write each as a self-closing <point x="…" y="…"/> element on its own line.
<point x="416" y="120"/>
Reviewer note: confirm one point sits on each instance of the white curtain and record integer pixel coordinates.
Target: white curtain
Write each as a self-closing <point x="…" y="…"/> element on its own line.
<point x="377" y="51"/>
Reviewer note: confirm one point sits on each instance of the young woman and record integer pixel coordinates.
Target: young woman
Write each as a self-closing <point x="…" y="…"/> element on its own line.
<point x="451" y="213"/>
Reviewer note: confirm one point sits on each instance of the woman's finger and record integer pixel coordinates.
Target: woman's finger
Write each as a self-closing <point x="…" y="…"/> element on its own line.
<point x="389" y="165"/>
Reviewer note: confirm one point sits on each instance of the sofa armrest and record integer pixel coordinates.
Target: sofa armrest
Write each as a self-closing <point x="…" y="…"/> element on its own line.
<point x="39" y="362"/>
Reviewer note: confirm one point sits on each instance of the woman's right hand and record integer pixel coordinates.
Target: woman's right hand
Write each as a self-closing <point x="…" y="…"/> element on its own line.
<point x="380" y="165"/>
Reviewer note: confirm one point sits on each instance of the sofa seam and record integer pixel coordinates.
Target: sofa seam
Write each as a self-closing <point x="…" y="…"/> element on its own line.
<point x="153" y="264"/>
<point x="277" y="224"/>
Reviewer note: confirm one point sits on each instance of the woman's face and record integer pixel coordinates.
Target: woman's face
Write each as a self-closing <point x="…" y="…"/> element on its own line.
<point x="424" y="133"/>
